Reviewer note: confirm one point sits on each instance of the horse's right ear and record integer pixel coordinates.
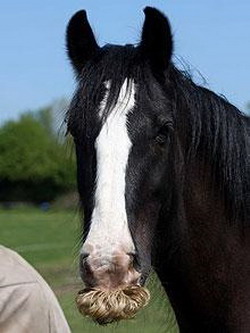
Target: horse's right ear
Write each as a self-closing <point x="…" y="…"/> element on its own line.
<point x="80" y="41"/>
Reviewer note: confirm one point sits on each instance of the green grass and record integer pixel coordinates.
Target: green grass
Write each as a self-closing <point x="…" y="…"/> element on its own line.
<point x="49" y="242"/>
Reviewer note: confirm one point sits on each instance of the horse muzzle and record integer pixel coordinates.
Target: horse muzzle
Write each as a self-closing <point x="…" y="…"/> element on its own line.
<point x="113" y="290"/>
<point x="109" y="272"/>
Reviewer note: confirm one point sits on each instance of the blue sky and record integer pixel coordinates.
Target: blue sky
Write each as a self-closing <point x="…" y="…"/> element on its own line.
<point x="212" y="36"/>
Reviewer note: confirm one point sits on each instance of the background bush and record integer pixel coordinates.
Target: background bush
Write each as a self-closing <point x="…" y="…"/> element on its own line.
<point x="35" y="165"/>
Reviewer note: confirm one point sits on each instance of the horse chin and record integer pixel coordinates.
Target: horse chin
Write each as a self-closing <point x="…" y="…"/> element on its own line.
<point x="107" y="306"/>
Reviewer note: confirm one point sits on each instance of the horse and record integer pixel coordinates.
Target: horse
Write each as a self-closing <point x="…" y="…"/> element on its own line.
<point x="163" y="180"/>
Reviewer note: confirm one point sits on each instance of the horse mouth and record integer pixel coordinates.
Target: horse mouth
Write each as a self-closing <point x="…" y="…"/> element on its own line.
<point x="107" y="306"/>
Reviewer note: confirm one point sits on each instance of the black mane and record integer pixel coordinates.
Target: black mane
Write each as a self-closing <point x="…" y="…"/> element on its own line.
<point x="220" y="134"/>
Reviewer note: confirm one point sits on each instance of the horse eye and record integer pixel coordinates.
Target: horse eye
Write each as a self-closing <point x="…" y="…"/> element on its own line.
<point x="161" y="139"/>
<point x="163" y="135"/>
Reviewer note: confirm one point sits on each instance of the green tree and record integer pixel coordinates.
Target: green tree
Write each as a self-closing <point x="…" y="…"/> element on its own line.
<point x="33" y="165"/>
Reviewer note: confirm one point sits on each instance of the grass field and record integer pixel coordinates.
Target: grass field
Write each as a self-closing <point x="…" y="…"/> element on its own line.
<point x="48" y="240"/>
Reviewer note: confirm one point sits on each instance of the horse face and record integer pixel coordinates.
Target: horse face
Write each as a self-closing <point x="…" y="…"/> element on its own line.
<point x="121" y="121"/>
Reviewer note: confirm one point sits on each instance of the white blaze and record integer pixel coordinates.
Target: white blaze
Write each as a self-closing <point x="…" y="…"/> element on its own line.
<point x="109" y="226"/>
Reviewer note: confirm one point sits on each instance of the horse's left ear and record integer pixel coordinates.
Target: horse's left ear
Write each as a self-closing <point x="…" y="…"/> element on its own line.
<point x="156" y="41"/>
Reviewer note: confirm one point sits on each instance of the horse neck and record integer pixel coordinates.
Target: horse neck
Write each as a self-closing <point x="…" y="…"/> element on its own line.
<point x="204" y="263"/>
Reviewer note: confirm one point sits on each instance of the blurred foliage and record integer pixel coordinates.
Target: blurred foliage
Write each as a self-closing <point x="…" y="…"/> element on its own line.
<point x="34" y="165"/>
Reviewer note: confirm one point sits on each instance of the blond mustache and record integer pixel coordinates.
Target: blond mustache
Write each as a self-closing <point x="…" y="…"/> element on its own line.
<point x="106" y="306"/>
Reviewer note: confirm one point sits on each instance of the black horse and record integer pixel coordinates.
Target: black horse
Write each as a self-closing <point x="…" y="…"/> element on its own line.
<point x="163" y="177"/>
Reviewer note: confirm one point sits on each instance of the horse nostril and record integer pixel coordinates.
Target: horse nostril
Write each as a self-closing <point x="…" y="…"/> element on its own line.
<point x="134" y="260"/>
<point x="84" y="256"/>
<point x="131" y="256"/>
<point x="84" y="266"/>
